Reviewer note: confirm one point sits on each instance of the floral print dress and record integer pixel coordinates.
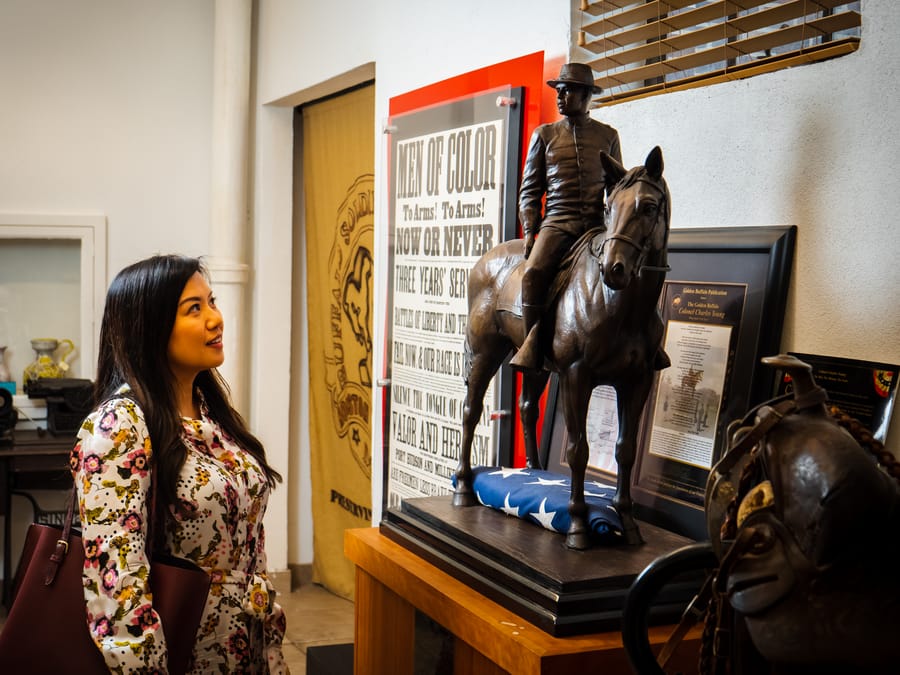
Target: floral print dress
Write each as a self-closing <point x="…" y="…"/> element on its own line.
<point x="223" y="494"/>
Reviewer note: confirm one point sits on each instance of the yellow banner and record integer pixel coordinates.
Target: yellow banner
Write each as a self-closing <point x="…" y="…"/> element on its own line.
<point x="338" y="168"/>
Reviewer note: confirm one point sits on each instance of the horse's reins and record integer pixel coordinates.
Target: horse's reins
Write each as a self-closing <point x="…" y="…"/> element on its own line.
<point x="644" y="248"/>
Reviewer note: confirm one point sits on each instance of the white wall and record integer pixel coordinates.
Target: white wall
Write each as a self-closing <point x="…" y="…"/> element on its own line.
<point x="107" y="109"/>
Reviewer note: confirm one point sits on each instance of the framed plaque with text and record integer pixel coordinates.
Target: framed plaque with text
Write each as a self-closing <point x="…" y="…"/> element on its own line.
<point x="454" y="171"/>
<point x="722" y="305"/>
<point x="865" y="390"/>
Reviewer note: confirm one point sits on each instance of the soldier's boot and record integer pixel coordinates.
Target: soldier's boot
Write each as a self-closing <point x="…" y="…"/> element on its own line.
<point x="529" y="356"/>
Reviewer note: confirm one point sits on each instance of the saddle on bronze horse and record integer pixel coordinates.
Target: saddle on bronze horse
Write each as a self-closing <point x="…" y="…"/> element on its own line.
<point x="510" y="299"/>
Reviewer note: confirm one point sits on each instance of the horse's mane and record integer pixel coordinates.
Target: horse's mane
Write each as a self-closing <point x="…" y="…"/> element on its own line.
<point x="585" y="240"/>
<point x="567" y="264"/>
<point x="629" y="179"/>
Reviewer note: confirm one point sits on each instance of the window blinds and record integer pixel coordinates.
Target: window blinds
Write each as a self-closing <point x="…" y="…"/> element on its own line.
<point x="638" y="47"/>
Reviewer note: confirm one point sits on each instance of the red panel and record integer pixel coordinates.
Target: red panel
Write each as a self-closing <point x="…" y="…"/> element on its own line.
<point x="525" y="71"/>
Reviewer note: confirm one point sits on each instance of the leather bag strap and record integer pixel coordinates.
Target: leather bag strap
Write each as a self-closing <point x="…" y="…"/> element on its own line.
<point x="62" y="544"/>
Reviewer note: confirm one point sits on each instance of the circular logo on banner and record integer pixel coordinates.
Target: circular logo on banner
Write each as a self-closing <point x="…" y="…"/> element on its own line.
<point x="349" y="359"/>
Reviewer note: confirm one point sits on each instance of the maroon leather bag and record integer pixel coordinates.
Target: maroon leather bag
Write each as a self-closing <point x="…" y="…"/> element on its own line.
<point x="46" y="630"/>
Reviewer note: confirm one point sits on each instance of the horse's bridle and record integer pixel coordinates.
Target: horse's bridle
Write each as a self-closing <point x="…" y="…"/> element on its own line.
<point x="643" y="248"/>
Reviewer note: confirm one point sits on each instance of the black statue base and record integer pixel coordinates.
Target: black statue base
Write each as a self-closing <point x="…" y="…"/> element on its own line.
<point x="529" y="570"/>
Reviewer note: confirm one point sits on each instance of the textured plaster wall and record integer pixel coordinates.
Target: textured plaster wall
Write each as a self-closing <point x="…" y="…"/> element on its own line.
<point x="813" y="146"/>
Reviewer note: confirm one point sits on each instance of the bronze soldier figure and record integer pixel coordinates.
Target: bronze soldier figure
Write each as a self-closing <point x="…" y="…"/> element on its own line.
<point x="563" y="163"/>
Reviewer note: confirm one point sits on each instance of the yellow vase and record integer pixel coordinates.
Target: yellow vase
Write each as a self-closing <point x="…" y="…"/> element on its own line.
<point x="45" y="364"/>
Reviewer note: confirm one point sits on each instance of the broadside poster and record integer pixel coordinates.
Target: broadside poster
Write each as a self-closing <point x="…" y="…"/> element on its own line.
<point x="702" y="326"/>
<point x="451" y="180"/>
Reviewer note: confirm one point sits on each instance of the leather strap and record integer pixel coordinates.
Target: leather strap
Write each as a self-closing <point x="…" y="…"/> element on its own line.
<point x="62" y="544"/>
<point x="691" y="617"/>
<point x="769" y="415"/>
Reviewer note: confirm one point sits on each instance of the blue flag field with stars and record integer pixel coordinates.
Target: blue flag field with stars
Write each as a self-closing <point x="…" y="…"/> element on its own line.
<point x="542" y="497"/>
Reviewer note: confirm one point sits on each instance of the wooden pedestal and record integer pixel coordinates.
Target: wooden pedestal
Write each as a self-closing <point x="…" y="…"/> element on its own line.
<point x="392" y="583"/>
<point x="529" y="570"/>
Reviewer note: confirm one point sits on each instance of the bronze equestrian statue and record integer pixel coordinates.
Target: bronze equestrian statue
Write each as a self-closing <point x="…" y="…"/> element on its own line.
<point x="601" y="326"/>
<point x="802" y="513"/>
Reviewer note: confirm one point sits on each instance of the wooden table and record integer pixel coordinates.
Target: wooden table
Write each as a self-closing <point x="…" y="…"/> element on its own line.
<point x="29" y="461"/>
<point x="392" y="583"/>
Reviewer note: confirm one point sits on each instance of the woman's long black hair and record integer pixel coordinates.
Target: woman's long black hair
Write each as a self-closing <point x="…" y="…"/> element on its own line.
<point x="134" y="337"/>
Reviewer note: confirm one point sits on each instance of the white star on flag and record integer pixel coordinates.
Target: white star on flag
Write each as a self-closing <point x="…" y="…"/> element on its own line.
<point x="543" y="516"/>
<point x="511" y="510"/>
<point x="506" y="472"/>
<point x="546" y="481"/>
<point x="588" y="493"/>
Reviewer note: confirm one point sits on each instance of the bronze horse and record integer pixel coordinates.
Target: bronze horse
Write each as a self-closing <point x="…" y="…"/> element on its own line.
<point x="601" y="327"/>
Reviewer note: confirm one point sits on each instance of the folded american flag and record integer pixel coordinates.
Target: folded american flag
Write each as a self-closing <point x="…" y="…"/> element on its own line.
<point x="542" y="497"/>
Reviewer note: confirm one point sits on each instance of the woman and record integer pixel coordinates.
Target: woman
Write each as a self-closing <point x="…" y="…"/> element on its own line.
<point x="163" y="423"/>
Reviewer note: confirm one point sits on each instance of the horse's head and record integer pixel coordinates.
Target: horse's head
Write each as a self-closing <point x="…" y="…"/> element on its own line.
<point x="797" y="512"/>
<point x="637" y="220"/>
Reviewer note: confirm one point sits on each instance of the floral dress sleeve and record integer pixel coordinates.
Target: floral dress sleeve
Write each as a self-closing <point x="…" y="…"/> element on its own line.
<point x="110" y="466"/>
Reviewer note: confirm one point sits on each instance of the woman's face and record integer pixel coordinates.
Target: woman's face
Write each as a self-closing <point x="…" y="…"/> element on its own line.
<point x="195" y="343"/>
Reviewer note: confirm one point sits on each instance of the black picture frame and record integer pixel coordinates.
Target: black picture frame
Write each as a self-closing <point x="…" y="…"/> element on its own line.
<point x="757" y="258"/>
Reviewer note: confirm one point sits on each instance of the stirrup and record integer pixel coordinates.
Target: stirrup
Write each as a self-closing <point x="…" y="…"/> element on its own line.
<point x="528" y="357"/>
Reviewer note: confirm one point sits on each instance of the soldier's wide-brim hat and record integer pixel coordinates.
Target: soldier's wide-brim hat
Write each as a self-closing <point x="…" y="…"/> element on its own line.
<point x="576" y="73"/>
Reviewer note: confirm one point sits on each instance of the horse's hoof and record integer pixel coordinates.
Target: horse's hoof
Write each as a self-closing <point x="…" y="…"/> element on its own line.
<point x="633" y="536"/>
<point x="464" y="499"/>
<point x="578" y="541"/>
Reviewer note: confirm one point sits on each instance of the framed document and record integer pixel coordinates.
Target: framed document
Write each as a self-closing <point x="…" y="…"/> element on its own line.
<point x="722" y="305"/>
<point x="454" y="168"/>
<point x="865" y="390"/>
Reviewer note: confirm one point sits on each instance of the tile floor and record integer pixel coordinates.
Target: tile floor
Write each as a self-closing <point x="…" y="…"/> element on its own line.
<point x="315" y="617"/>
